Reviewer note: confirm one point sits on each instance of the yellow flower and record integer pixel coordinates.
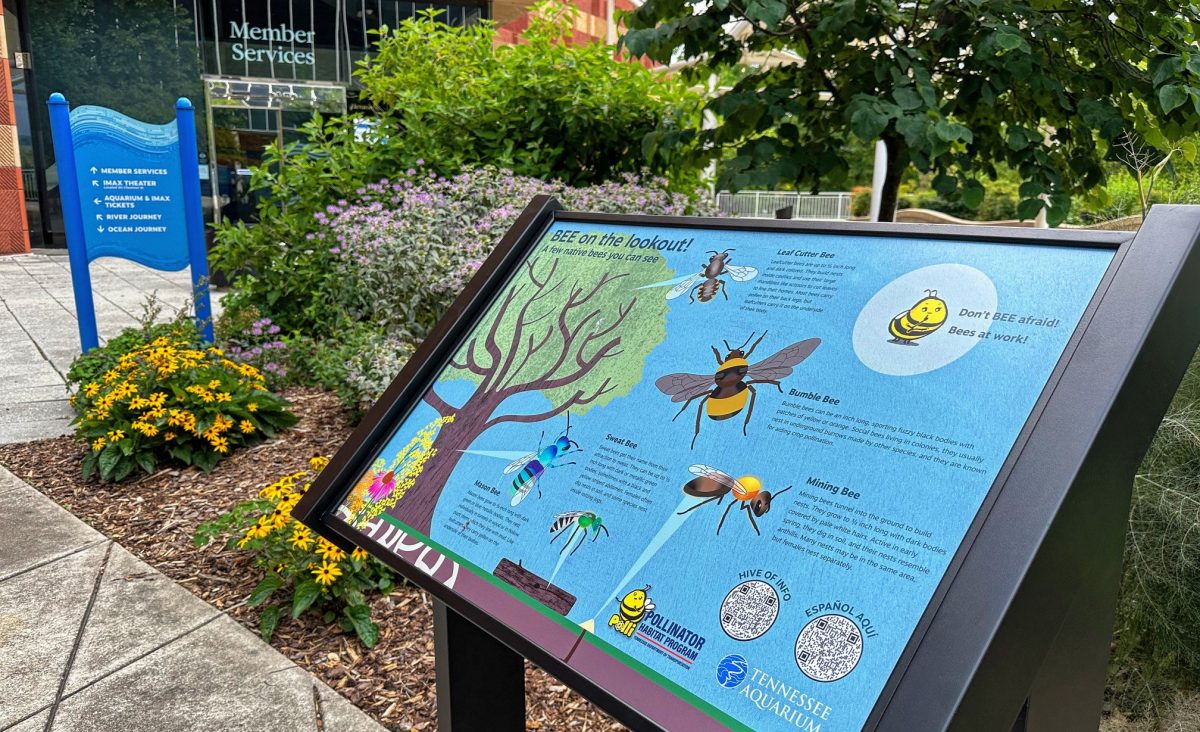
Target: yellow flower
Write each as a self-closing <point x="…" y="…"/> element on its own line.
<point x="220" y="445"/>
<point x="318" y="462"/>
<point x="327" y="573"/>
<point x="242" y="542"/>
<point x="116" y="435"/>
<point x="208" y="397"/>
<point x="168" y="435"/>
<point x="301" y="537"/>
<point x="98" y="444"/>
<point x="329" y="551"/>
<point x="223" y="396"/>
<point x="246" y="426"/>
<point x="359" y="554"/>
<point x="91" y="390"/>
<point x="214" y="384"/>
<point x="251" y="407"/>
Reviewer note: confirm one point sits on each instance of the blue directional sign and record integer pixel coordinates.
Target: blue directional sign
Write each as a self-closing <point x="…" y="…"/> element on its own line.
<point x="131" y="190"/>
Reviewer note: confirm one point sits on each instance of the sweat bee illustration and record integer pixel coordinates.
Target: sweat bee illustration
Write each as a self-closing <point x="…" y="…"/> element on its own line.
<point x="580" y="521"/>
<point x="708" y="279"/>
<point x="632" y="610"/>
<point x="713" y="485"/>
<point x="734" y="380"/>
<point x="920" y="320"/>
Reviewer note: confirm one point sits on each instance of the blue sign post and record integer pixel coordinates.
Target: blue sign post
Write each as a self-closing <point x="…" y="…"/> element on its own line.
<point x="131" y="190"/>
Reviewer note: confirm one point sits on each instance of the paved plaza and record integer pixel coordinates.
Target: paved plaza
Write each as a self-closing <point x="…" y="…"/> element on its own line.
<point x="91" y="637"/>
<point x="39" y="334"/>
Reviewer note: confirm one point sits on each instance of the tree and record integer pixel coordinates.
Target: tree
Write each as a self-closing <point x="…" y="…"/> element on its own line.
<point x="576" y="334"/>
<point x="953" y="87"/>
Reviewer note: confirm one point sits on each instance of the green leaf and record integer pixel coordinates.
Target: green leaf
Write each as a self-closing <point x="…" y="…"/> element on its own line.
<point x="1171" y="96"/>
<point x="1029" y="208"/>
<point x="972" y="194"/>
<point x="89" y="465"/>
<point x="1031" y="189"/>
<point x="1187" y="149"/>
<point x="907" y="98"/>
<point x="264" y="589"/>
<point x="268" y="622"/>
<point x="1008" y="40"/>
<point x="147" y="462"/>
<point x="360" y="618"/>
<point x="868" y="124"/>
<point x="304" y="596"/>
<point x="944" y="184"/>
<point x="110" y="457"/>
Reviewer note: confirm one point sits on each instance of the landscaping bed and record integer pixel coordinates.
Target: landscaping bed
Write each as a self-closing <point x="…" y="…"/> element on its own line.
<point x="155" y="516"/>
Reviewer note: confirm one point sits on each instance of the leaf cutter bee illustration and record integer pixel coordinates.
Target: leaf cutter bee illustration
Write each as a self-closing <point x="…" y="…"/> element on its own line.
<point x="706" y="290"/>
<point x="920" y="320"/>
<point x="713" y="485"/>
<point x="534" y="465"/>
<point x="581" y="521"/>
<point x="734" y="380"/>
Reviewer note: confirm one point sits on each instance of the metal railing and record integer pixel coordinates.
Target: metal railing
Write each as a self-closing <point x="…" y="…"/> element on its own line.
<point x="764" y="204"/>
<point x="29" y="183"/>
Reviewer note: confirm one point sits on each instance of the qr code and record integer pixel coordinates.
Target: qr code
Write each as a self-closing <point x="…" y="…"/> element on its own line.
<point x="828" y="648"/>
<point x="749" y="610"/>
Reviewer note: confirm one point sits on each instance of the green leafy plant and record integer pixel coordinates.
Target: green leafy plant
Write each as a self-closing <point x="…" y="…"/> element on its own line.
<point x="171" y="399"/>
<point x="302" y="572"/>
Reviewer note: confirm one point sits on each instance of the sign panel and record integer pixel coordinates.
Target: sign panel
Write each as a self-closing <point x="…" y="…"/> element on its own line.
<point x="132" y="190"/>
<point x="735" y="464"/>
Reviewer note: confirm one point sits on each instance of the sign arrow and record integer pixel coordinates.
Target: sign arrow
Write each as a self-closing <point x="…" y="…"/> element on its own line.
<point x="95" y="184"/>
<point x="93" y="170"/>
<point x="96" y="201"/>
<point x="99" y="217"/>
<point x="100" y="229"/>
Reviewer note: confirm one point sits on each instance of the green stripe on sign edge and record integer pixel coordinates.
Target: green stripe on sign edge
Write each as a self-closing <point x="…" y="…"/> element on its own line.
<point x="670" y="685"/>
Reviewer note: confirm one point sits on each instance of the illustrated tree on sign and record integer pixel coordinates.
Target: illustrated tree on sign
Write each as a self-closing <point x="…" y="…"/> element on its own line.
<point x="577" y="334"/>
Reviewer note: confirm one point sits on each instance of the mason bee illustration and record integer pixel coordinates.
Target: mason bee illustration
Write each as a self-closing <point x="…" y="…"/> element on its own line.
<point x="734" y="380"/>
<point x="920" y="320"/>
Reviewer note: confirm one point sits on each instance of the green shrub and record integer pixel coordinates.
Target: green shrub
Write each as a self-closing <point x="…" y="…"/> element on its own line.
<point x="1156" y="644"/>
<point x="309" y="572"/>
<point x="92" y="366"/>
<point x="171" y="399"/>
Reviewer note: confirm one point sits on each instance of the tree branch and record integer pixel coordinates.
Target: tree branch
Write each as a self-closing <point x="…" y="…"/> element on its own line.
<point x="439" y="404"/>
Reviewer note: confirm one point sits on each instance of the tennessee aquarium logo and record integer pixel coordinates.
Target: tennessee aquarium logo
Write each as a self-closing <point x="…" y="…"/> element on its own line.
<point x="732" y="670"/>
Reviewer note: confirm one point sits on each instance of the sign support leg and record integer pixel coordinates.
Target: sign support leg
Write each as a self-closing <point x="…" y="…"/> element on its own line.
<point x="480" y="681"/>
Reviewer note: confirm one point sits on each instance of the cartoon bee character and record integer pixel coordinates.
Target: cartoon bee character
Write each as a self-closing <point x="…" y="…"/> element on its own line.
<point x="632" y="610"/>
<point x="920" y="320"/>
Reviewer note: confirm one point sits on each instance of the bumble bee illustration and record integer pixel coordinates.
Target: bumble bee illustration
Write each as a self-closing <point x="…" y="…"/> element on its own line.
<point x="920" y="320"/>
<point x="631" y="611"/>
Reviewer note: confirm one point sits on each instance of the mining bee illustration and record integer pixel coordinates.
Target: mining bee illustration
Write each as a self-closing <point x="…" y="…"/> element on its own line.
<point x="920" y="320"/>
<point x="711" y="284"/>
<point x="577" y="521"/>
<point x="631" y="611"/>
<point x="734" y="379"/>
<point x="534" y="465"/>
<point x="713" y="485"/>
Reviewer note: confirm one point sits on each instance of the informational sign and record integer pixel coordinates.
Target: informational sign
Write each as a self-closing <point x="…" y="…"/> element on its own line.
<point x="733" y="465"/>
<point x="130" y="190"/>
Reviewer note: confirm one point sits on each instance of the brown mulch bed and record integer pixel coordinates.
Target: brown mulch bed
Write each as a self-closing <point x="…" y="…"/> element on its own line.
<point x="155" y="516"/>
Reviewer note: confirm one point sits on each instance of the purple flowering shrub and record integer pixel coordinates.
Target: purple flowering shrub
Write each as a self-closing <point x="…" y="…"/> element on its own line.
<point x="249" y="338"/>
<point x="405" y="247"/>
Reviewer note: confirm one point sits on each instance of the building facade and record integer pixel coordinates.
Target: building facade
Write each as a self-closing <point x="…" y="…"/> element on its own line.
<point x="256" y="70"/>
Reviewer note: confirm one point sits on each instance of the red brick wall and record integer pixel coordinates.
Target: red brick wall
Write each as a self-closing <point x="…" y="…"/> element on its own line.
<point x="14" y="225"/>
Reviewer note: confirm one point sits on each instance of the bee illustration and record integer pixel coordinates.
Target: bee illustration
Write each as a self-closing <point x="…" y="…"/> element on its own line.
<point x="534" y="465"/>
<point x="920" y="320"/>
<point x="706" y="290"/>
<point x="713" y="485"/>
<point x="734" y="379"/>
<point x="577" y="521"/>
<point x="631" y="611"/>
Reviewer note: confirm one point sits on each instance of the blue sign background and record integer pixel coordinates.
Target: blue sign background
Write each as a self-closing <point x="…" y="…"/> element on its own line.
<point x="131" y="188"/>
<point x="972" y="400"/>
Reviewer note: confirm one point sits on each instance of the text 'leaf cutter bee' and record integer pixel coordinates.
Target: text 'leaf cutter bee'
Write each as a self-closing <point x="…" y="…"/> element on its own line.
<point x="734" y="379"/>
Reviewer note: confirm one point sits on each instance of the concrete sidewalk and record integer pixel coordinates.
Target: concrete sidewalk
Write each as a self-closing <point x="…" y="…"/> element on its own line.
<point x="92" y="638"/>
<point x="39" y="334"/>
